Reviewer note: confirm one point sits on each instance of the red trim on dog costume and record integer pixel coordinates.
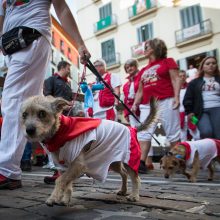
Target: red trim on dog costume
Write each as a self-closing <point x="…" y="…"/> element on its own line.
<point x="188" y="149"/>
<point x="135" y="149"/>
<point x="70" y="127"/>
<point x="217" y="142"/>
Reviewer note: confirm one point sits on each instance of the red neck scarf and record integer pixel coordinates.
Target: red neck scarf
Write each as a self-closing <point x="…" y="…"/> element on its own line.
<point x="70" y="128"/>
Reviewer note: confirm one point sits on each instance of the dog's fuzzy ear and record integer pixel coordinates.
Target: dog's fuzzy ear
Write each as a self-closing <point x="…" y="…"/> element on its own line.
<point x="59" y="104"/>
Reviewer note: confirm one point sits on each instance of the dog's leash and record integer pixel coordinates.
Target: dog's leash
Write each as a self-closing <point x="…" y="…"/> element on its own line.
<point x="99" y="77"/>
<point x="96" y="73"/>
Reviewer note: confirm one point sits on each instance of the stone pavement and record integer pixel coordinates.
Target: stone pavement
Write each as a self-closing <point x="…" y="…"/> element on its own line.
<point x="160" y="199"/>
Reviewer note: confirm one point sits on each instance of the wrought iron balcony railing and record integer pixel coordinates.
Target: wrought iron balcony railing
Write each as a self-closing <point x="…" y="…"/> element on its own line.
<point x="105" y="24"/>
<point x="112" y="59"/>
<point x="203" y="28"/>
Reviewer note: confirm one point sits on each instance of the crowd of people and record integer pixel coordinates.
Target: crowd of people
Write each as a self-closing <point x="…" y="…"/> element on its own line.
<point x="189" y="105"/>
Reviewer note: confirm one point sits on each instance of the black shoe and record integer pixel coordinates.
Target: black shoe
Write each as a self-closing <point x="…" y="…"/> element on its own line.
<point x="26" y="165"/>
<point x="142" y="167"/>
<point x="6" y="183"/>
<point x="51" y="179"/>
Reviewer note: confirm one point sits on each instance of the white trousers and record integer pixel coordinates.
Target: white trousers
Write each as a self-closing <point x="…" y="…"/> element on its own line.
<point x="168" y="117"/>
<point x="25" y="77"/>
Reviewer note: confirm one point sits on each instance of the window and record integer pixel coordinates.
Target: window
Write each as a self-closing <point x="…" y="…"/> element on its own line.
<point x="53" y="40"/>
<point x="52" y="56"/>
<point x="69" y="54"/>
<point x="190" y="16"/>
<point x="145" y="32"/>
<point x="105" y="11"/>
<point x="108" y="51"/>
<point x="61" y="46"/>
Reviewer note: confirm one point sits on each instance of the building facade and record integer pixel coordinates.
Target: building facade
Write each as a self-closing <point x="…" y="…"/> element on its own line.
<point x="117" y="31"/>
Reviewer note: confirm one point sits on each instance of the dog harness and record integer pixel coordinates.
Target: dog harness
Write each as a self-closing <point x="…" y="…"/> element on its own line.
<point x="111" y="142"/>
<point x="207" y="148"/>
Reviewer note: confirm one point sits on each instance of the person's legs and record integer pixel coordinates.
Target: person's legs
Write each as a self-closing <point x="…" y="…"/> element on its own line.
<point x="215" y="121"/>
<point x="27" y="152"/>
<point x="144" y="137"/>
<point x="170" y="121"/>
<point x="24" y="78"/>
<point x="204" y="126"/>
<point x="26" y="158"/>
<point x="149" y="161"/>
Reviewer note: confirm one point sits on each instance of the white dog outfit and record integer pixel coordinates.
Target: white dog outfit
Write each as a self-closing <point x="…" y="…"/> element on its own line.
<point x="207" y="148"/>
<point x="112" y="142"/>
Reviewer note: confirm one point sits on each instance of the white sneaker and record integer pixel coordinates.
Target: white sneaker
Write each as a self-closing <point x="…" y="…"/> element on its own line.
<point x="49" y="166"/>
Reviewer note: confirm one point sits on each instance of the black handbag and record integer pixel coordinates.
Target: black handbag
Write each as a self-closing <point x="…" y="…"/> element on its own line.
<point x="17" y="39"/>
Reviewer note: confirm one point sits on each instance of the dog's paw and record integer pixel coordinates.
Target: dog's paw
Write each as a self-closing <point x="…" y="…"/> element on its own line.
<point x="192" y="179"/>
<point x="133" y="198"/>
<point x="66" y="200"/>
<point x="50" y="202"/>
<point x="121" y="193"/>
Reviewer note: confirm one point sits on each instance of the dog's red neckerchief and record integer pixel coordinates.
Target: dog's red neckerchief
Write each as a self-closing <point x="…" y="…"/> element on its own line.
<point x="70" y="128"/>
<point x="187" y="149"/>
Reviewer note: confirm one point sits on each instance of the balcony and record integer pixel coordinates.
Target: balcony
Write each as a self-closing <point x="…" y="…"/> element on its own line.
<point x="105" y="24"/>
<point x="137" y="51"/>
<point x="138" y="10"/>
<point x="194" y="33"/>
<point x="112" y="61"/>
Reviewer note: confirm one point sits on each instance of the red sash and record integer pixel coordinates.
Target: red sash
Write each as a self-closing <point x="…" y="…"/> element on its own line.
<point x="70" y="128"/>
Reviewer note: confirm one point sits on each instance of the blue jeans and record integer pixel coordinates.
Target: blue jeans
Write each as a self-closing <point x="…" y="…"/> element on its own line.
<point x="27" y="152"/>
<point x="209" y="123"/>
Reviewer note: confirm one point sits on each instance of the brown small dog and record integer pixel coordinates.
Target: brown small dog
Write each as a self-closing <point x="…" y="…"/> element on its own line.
<point x="87" y="146"/>
<point x="192" y="154"/>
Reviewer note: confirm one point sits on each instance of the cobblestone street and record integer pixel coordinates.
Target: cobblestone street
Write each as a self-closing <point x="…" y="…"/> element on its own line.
<point x="160" y="199"/>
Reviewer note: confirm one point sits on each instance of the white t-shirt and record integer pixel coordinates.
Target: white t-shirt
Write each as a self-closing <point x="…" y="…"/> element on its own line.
<point x="191" y="74"/>
<point x="182" y="94"/>
<point x="115" y="82"/>
<point x="131" y="94"/>
<point x="34" y="14"/>
<point x="211" y="93"/>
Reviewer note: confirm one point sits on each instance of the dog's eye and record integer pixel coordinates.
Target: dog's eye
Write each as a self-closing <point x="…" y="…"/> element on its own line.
<point x="24" y="115"/>
<point x="42" y="114"/>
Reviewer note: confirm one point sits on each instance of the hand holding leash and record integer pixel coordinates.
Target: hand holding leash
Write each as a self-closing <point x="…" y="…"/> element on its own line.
<point x="84" y="54"/>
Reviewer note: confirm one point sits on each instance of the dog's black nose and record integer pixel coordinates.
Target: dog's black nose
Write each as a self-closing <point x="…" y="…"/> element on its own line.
<point x="30" y="130"/>
<point x="166" y="176"/>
